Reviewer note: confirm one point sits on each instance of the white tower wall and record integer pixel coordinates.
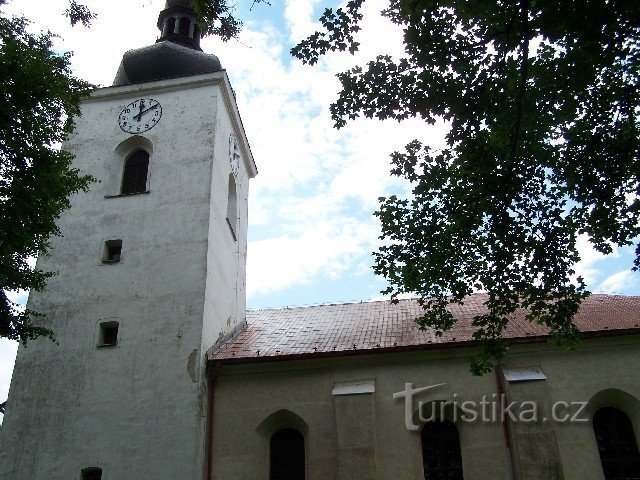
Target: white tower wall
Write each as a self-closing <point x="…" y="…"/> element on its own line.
<point x="136" y="410"/>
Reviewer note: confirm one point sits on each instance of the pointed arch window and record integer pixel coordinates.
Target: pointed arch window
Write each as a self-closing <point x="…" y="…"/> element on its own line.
<point x="617" y="444"/>
<point x="134" y="177"/>
<point x="286" y="455"/>
<point x="441" y="455"/>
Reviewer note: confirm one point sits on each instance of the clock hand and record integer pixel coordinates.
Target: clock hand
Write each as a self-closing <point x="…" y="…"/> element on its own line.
<point x="139" y="115"/>
<point x="148" y="109"/>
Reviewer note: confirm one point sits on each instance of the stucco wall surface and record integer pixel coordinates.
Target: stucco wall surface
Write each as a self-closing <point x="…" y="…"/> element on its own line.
<point x="364" y="435"/>
<point x="136" y="409"/>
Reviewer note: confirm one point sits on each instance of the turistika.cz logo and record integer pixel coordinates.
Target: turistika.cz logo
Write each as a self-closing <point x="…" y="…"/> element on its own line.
<point x="491" y="408"/>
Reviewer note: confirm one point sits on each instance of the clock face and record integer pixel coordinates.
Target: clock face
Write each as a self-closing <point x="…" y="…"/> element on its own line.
<point x="234" y="154"/>
<point x="140" y="115"/>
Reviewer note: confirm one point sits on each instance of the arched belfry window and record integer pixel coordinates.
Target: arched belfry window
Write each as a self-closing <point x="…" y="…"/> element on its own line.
<point x="617" y="444"/>
<point x="185" y="26"/>
<point x="286" y="449"/>
<point x="134" y="177"/>
<point x="232" y="206"/>
<point x="441" y="455"/>
<point x="171" y="25"/>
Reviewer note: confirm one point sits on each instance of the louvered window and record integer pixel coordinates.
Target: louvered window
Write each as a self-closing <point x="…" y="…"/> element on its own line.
<point x="134" y="178"/>
<point x="185" y="26"/>
<point x="441" y="455"/>
<point x="616" y="444"/>
<point x="287" y="455"/>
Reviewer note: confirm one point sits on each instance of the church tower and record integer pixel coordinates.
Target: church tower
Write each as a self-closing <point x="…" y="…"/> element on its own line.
<point x="151" y="274"/>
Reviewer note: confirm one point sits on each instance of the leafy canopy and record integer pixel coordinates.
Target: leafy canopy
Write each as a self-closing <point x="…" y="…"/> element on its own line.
<point x="543" y="102"/>
<point x="39" y="98"/>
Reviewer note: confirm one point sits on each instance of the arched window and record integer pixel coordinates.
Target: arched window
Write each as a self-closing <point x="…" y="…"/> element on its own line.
<point x="441" y="456"/>
<point x="134" y="178"/>
<point x="185" y="26"/>
<point x="616" y="444"/>
<point x="171" y="25"/>
<point x="286" y="455"/>
<point x="232" y="206"/>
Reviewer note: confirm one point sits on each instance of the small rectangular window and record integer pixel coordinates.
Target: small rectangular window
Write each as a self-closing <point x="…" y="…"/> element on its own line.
<point x="108" y="334"/>
<point x="112" y="251"/>
<point x="92" y="474"/>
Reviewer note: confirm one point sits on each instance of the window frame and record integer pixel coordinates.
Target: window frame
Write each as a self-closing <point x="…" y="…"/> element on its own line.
<point x="453" y="432"/>
<point x="105" y="326"/>
<point x="115" y="168"/>
<point x="107" y="244"/>
<point x="135" y="186"/>
<point x="601" y="426"/>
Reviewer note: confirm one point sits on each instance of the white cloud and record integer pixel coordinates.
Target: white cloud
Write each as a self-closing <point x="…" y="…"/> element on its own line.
<point x="619" y="282"/>
<point x="589" y="257"/>
<point x="299" y="16"/>
<point x="323" y="251"/>
<point x="317" y="186"/>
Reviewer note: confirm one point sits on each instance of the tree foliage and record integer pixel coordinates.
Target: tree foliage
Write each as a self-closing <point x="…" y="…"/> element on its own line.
<point x="543" y="103"/>
<point x="39" y="98"/>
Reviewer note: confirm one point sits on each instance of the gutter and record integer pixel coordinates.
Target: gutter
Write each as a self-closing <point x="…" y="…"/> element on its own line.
<point x="505" y="424"/>
<point x="214" y="373"/>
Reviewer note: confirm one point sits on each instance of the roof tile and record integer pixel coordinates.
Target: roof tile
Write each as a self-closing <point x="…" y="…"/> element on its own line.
<point x="370" y="326"/>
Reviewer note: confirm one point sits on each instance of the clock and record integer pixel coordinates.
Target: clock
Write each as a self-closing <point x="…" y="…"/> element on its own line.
<point x="234" y="154"/>
<point x="140" y="115"/>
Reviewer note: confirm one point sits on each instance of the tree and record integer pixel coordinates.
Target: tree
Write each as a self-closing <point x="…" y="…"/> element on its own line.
<point x="543" y="103"/>
<point x="40" y="97"/>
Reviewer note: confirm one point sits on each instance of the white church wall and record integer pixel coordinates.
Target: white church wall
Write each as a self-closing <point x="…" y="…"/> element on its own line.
<point x="247" y="395"/>
<point x="225" y="298"/>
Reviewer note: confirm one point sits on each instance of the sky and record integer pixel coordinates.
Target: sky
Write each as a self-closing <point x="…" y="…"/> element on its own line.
<point x="311" y="228"/>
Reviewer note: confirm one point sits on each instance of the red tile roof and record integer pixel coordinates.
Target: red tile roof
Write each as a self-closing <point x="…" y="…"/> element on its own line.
<point x="382" y="326"/>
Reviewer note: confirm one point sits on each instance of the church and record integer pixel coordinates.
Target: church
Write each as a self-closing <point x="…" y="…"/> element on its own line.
<point x="160" y="372"/>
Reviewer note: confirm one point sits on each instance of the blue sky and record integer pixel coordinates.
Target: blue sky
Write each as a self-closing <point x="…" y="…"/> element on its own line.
<point x="311" y="230"/>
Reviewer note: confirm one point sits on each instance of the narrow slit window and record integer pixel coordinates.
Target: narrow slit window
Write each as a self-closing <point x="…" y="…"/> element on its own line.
<point x="112" y="251"/>
<point x="108" y="334"/>
<point x="441" y="456"/>
<point x="617" y="444"/>
<point x="287" y="455"/>
<point x="232" y="207"/>
<point x="92" y="473"/>
<point x="134" y="177"/>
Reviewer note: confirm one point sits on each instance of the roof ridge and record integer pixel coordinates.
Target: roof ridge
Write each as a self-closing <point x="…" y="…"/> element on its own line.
<point x="389" y="300"/>
<point x="327" y="304"/>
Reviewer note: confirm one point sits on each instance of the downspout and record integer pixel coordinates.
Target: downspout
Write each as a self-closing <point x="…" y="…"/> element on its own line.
<point x="213" y="376"/>
<point x="505" y="424"/>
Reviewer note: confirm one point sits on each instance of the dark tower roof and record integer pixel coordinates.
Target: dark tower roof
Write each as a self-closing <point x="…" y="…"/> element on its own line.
<point x="177" y="52"/>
